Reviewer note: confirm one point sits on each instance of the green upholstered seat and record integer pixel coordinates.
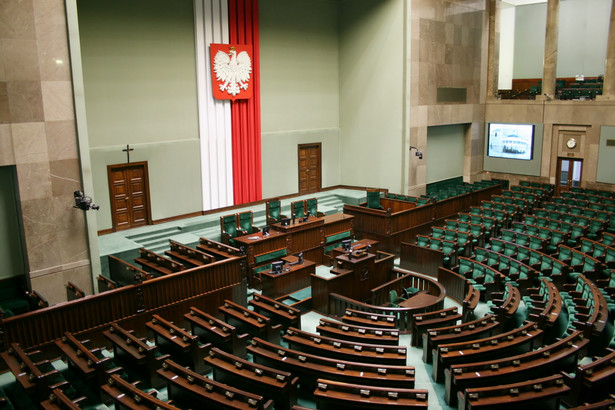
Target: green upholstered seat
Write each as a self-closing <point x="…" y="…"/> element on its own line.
<point x="298" y="209"/>
<point x="337" y="237"/>
<point x="373" y="200"/>
<point x="228" y="225"/>
<point x="280" y="253"/>
<point x="274" y="211"/>
<point x="245" y="223"/>
<point x="312" y="206"/>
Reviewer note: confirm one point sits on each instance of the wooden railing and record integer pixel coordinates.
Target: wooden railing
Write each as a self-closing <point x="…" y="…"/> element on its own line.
<point x="338" y="303"/>
<point x="394" y="225"/>
<point x="93" y="312"/>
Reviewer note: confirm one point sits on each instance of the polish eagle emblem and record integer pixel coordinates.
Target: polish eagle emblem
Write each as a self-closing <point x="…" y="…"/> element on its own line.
<point x="232" y="70"/>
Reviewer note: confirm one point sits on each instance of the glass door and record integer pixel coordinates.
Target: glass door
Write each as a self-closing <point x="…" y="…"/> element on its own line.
<point x="568" y="174"/>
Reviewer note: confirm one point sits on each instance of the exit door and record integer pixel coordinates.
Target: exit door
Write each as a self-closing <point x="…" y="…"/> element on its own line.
<point x="568" y="174"/>
<point x="129" y="193"/>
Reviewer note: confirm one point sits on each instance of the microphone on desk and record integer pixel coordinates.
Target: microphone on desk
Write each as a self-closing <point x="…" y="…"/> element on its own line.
<point x="293" y="221"/>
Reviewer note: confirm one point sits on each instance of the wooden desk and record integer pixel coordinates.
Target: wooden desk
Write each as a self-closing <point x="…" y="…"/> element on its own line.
<point x="292" y="278"/>
<point x="362" y="244"/>
<point x="420" y="299"/>
<point x="257" y="243"/>
<point x="310" y="237"/>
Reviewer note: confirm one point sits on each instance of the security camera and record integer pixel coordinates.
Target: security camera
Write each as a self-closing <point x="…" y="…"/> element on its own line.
<point x="418" y="152"/>
<point x="84" y="202"/>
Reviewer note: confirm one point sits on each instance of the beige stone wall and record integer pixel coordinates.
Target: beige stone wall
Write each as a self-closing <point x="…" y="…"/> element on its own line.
<point x="37" y="135"/>
<point x="448" y="49"/>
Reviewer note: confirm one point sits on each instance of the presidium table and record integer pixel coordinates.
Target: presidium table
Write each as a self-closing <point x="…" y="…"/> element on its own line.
<point x="311" y="237"/>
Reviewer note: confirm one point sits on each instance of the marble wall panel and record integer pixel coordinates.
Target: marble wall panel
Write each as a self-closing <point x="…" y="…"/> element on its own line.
<point x="58" y="100"/>
<point x="65" y="177"/>
<point x="5" y="112"/>
<point x="51" y="34"/>
<point x="17" y="19"/>
<point x="61" y="138"/>
<point x="23" y="56"/>
<point x="29" y="142"/>
<point x="7" y="157"/>
<point x="34" y="181"/>
<point x="25" y="101"/>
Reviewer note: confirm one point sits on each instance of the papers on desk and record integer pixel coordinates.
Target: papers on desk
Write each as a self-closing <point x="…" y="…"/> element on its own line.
<point x="253" y="238"/>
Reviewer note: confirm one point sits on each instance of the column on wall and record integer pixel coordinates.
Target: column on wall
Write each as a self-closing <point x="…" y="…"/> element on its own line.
<point x="493" y="8"/>
<point x="550" y="59"/>
<point x="608" y="91"/>
<point x="246" y="118"/>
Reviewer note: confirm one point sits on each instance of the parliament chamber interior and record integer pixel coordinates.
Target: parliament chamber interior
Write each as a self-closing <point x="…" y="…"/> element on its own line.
<point x="269" y="204"/>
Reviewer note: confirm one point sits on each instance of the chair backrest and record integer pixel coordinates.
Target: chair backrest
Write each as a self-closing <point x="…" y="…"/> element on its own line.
<point x="312" y="206"/>
<point x="274" y="209"/>
<point x="228" y="224"/>
<point x="298" y="209"/>
<point x="373" y="200"/>
<point x="245" y="221"/>
<point x="393" y="296"/>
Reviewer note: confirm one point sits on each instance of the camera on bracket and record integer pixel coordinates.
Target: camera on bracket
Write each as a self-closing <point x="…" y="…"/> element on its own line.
<point x="84" y="202"/>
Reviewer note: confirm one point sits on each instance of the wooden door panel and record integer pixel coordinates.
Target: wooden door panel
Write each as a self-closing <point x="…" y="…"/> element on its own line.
<point x="129" y="192"/>
<point x="309" y="168"/>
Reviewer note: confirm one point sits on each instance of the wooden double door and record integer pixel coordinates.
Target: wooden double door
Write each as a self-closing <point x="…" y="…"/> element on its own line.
<point x="310" y="174"/>
<point x="129" y="193"/>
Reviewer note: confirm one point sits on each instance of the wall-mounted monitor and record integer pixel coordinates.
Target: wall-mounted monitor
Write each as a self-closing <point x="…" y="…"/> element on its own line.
<point x="513" y="141"/>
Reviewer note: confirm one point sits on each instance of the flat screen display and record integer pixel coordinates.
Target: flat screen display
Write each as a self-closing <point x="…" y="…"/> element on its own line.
<point x="514" y="141"/>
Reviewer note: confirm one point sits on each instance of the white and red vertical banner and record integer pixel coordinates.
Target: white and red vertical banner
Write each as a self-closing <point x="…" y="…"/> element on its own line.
<point x="246" y="114"/>
<point x="229" y="101"/>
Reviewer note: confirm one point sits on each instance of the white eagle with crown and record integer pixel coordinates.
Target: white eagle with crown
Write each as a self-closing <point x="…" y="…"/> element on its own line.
<point x="233" y="70"/>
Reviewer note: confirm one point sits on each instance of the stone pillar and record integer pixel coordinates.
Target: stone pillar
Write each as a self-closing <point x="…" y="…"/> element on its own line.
<point x="493" y="51"/>
<point x="549" y="68"/>
<point x="608" y="91"/>
<point x="38" y="137"/>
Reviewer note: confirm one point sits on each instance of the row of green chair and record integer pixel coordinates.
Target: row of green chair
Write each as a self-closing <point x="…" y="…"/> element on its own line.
<point x="545" y="264"/>
<point x="552" y="237"/>
<point x="500" y="217"/>
<point x="580" y="263"/>
<point x="476" y="230"/>
<point x="575" y="232"/>
<point x="589" y="191"/>
<point x="512" y="210"/>
<point x="464" y="240"/>
<point x="598" y="250"/>
<point x="608" y="238"/>
<point x="523" y="205"/>
<point x="238" y="224"/>
<point x="532" y="198"/>
<point x="550" y="188"/>
<point x="595" y="227"/>
<point x="516" y="271"/>
<point x="577" y="210"/>
<point x="484" y="278"/>
<point x="448" y="248"/>
<point x="541" y="192"/>
<point x="544" y="305"/>
<point x="586" y="304"/>
<point x="522" y="238"/>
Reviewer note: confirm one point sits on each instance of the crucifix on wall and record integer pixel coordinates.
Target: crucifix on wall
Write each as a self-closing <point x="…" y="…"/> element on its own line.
<point x="127" y="151"/>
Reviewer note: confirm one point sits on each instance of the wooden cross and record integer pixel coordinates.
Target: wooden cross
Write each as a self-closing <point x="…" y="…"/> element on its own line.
<point x="127" y="151"/>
